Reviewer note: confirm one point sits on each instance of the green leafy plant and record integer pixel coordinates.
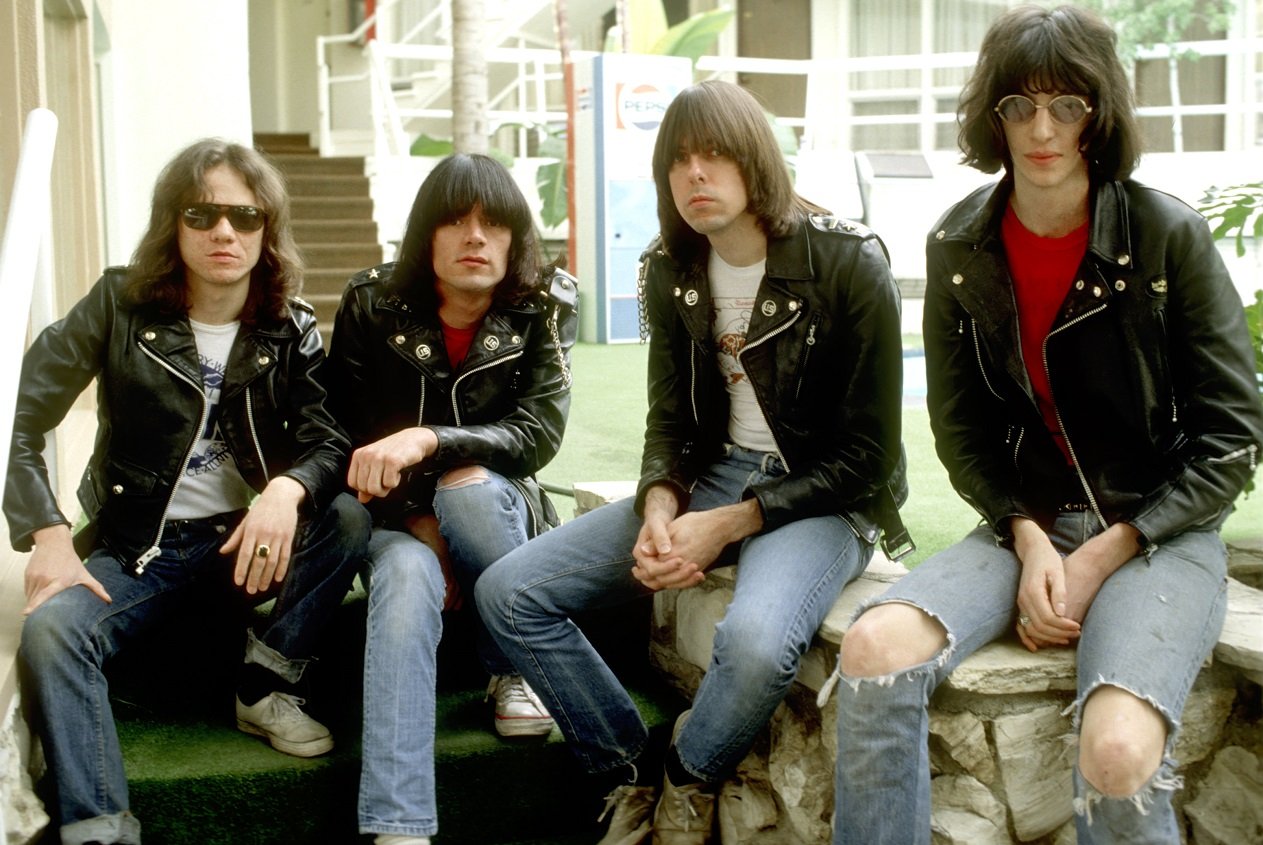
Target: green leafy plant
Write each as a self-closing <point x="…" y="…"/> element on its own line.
<point x="1237" y="212"/>
<point x="1234" y="211"/>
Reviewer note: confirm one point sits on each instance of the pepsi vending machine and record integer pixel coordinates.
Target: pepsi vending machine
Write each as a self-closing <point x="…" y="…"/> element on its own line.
<point x="620" y="99"/>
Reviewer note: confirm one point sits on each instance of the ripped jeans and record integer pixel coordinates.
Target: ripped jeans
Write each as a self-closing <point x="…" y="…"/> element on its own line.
<point x="1147" y="631"/>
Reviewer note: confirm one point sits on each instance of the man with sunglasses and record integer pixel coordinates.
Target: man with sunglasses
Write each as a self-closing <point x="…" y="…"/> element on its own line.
<point x="1092" y="395"/>
<point x="217" y="473"/>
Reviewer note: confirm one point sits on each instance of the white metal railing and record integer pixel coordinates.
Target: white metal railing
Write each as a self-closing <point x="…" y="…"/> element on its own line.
<point x="836" y="92"/>
<point x="25" y="259"/>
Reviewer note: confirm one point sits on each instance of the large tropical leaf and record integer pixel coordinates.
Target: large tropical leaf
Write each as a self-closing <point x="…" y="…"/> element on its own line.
<point x="694" y="37"/>
<point x="550" y="181"/>
<point x="427" y="146"/>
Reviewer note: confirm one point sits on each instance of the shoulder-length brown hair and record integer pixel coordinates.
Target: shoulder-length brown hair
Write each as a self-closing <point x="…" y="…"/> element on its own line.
<point x="1066" y="50"/>
<point x="156" y="272"/>
<point x="449" y="192"/>
<point x="715" y="115"/>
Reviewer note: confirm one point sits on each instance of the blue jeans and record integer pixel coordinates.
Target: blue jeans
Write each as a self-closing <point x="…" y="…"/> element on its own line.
<point x="1147" y="631"/>
<point x="480" y="522"/>
<point x="68" y="638"/>
<point x="787" y="580"/>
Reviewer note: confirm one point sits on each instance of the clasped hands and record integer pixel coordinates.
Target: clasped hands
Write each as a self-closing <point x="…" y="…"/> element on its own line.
<point x="673" y="552"/>
<point x="1055" y="592"/>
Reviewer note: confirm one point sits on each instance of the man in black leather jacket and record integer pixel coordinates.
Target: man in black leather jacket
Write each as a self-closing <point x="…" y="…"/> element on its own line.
<point x="773" y="443"/>
<point x="450" y="369"/>
<point x="1093" y="395"/>
<point x="215" y="464"/>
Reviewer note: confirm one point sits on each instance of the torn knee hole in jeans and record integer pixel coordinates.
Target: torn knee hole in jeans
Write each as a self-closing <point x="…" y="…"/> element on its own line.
<point x="462" y="477"/>
<point x="1164" y="779"/>
<point x="887" y="680"/>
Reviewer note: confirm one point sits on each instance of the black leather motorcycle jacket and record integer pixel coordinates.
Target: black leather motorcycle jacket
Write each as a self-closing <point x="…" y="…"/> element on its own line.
<point x="504" y="408"/>
<point x="824" y="355"/>
<point x="151" y="408"/>
<point x="1150" y="364"/>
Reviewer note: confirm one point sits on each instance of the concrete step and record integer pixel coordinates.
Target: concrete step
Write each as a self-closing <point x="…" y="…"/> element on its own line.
<point x="307" y="164"/>
<point x="331" y="208"/>
<point x="326" y="305"/>
<point x="279" y="143"/>
<point x="329" y="280"/>
<point x="334" y="231"/>
<point x="327" y="185"/>
<point x="340" y="255"/>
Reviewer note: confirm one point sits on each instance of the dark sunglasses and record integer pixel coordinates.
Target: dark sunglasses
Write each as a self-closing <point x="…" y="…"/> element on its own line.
<point x="206" y="215"/>
<point x="1067" y="108"/>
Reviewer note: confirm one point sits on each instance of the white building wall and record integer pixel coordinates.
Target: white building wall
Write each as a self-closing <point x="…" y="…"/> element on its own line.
<point x="173" y="72"/>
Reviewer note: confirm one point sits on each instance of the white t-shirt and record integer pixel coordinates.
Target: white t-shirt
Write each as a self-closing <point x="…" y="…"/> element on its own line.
<point x="211" y="483"/>
<point x="733" y="291"/>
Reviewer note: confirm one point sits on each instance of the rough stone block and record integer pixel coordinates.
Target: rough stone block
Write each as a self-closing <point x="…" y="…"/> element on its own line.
<point x="1035" y="765"/>
<point x="962" y="738"/>
<point x="590" y="495"/>
<point x="966" y="813"/>
<point x="1004" y="668"/>
<point x="1241" y="642"/>
<point x="1228" y="809"/>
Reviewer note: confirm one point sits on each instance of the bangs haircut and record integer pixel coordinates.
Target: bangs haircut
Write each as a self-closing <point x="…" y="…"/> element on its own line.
<point x="715" y="115"/>
<point x="156" y="271"/>
<point x="451" y="190"/>
<point x="1066" y="50"/>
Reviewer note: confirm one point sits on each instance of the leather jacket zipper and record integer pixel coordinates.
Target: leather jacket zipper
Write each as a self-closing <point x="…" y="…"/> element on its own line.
<point x="421" y="404"/>
<point x="973" y="328"/>
<point x="1083" y="481"/>
<point x="254" y="437"/>
<point x="1236" y="454"/>
<point x="138" y="567"/>
<point x="492" y="363"/>
<point x="748" y="346"/>
<point x="802" y="359"/>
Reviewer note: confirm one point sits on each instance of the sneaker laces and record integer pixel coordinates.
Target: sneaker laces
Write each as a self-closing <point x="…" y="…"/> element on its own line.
<point x="683" y="798"/>
<point x="615" y="798"/>
<point x="511" y="689"/>
<point x="287" y="707"/>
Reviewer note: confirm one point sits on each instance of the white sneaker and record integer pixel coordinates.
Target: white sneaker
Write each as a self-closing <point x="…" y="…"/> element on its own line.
<point x="519" y="712"/>
<point x="277" y="717"/>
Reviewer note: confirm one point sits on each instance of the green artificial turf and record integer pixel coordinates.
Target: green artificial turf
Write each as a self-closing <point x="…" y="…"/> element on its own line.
<point x="606" y="430"/>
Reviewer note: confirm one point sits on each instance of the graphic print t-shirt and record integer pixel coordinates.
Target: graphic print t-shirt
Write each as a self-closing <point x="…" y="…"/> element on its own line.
<point x="733" y="291"/>
<point x="211" y="483"/>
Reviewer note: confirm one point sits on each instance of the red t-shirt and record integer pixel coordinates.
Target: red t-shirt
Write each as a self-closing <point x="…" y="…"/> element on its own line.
<point x="1043" y="270"/>
<point x="457" y="342"/>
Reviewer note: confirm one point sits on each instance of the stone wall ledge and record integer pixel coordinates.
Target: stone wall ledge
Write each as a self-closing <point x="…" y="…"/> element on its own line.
<point x="1001" y="742"/>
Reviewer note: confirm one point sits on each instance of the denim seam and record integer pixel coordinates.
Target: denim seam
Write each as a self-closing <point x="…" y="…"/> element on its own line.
<point x="511" y="619"/>
<point x="797" y="630"/>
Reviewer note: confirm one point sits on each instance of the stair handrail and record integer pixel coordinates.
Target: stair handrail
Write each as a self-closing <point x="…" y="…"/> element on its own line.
<point x="389" y="137"/>
<point x="25" y="259"/>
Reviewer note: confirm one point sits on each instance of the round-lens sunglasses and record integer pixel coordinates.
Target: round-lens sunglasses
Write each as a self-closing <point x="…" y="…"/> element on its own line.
<point x="206" y="215"/>
<point x="1067" y="108"/>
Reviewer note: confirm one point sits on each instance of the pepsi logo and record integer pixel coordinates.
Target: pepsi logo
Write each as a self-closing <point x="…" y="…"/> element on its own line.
<point x="640" y="106"/>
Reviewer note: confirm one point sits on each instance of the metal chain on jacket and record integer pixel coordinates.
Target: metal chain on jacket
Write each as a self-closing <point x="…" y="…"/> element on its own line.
<point x="561" y="356"/>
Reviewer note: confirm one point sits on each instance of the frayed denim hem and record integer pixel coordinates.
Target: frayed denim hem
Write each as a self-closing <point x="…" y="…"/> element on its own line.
<point x="269" y="658"/>
<point x="1164" y="779"/>
<point x="425" y="828"/>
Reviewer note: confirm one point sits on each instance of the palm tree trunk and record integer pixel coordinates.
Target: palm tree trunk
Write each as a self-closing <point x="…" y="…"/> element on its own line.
<point x="567" y="71"/>
<point x="469" y="78"/>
